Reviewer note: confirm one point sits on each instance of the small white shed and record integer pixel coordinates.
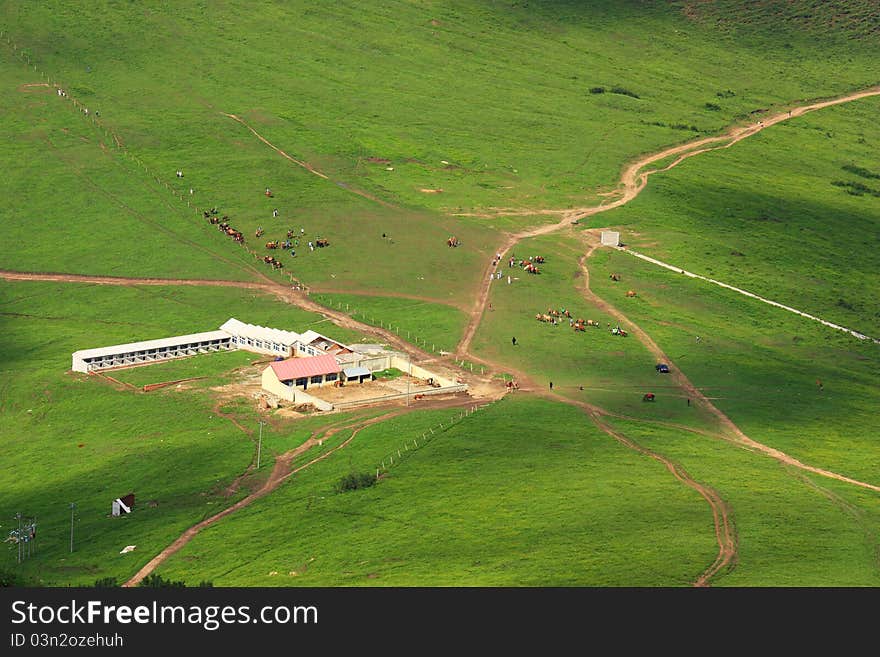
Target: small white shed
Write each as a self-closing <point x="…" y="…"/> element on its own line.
<point x="610" y="238"/>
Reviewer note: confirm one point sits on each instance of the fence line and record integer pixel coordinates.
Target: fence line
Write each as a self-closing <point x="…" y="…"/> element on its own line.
<point x="425" y="438"/>
<point x="110" y="135"/>
<point x="419" y="341"/>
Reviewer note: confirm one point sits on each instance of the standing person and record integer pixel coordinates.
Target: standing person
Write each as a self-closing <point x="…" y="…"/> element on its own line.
<point x="275" y="212"/>
<point x="513" y="340"/>
<point x="551" y="385"/>
<point x="508" y="280"/>
<point x="689" y="401"/>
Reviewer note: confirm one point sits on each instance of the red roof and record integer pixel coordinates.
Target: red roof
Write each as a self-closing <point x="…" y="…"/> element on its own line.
<point x="296" y="368"/>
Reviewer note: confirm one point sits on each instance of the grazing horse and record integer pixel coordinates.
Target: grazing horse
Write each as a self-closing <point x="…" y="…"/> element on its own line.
<point x="614" y="277"/>
<point x="322" y="242"/>
<point x="630" y="293"/>
<point x="272" y="245"/>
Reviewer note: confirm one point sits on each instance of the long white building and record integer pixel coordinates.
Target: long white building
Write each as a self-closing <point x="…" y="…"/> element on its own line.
<point x="233" y="334"/>
<point x="135" y="353"/>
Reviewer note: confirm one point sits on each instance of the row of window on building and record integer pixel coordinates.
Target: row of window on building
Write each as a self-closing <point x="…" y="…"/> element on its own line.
<point x="260" y="344"/>
<point x="155" y="353"/>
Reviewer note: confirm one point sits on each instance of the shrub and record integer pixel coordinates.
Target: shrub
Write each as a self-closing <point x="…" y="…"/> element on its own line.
<point x="597" y="90"/>
<point x="9" y="578"/>
<point x="106" y="583"/>
<point x="154" y="581"/>
<point x="860" y="171"/>
<point x="624" y="92"/>
<point x="354" y="481"/>
<point x="390" y="373"/>
<point x="712" y="107"/>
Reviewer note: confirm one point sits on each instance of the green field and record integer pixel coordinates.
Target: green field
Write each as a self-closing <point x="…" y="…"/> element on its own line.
<point x="386" y="128"/>
<point x="785" y="228"/>
<point x="523" y="493"/>
<point x="431" y="326"/>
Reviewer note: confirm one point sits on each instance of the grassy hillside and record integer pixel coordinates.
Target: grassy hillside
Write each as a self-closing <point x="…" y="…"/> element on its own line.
<point x="792" y="214"/>
<point x="793" y="529"/>
<point x="385" y="128"/>
<point x="68" y="437"/>
<point x="524" y="492"/>
<point x="500" y="92"/>
<point x="760" y="364"/>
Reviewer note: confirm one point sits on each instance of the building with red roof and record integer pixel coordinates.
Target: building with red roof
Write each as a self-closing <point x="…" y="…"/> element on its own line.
<point x="284" y="376"/>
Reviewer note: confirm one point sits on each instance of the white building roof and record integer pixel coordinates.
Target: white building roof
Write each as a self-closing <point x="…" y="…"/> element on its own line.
<point x="235" y="327"/>
<point x="315" y="339"/>
<point x="151" y="344"/>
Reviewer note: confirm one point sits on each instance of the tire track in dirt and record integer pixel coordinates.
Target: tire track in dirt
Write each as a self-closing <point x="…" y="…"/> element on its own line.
<point x="733" y="433"/>
<point x="632" y="181"/>
<point x="281" y="471"/>
<point x="725" y="530"/>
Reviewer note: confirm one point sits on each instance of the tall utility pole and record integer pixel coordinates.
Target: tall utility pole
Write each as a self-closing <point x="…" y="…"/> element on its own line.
<point x="408" y="379"/>
<point x="260" y="445"/>
<point x="72" y="507"/>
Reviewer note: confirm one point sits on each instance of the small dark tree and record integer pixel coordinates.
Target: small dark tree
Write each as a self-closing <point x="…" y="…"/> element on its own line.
<point x="354" y="481"/>
<point x="154" y="581"/>
<point x="106" y="583"/>
<point x="9" y="578"/>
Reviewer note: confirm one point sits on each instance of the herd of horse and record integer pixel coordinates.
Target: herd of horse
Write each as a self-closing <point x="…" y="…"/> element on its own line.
<point x="552" y="317"/>
<point x="223" y="226"/>
<point x="272" y="260"/>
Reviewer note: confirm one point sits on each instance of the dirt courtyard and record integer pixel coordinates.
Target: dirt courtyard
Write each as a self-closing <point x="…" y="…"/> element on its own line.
<point x="368" y="390"/>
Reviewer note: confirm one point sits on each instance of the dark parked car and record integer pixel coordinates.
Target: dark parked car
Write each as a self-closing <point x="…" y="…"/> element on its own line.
<point x="663" y="368"/>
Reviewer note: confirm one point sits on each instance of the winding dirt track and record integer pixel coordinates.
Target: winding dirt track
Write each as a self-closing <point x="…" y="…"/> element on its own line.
<point x="725" y="531"/>
<point x="281" y="472"/>
<point x="633" y="180"/>
<point x="733" y="433"/>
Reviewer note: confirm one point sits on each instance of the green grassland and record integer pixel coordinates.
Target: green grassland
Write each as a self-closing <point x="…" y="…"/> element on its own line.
<point x="525" y="492"/>
<point x="212" y="369"/>
<point x="428" y="325"/>
<point x="614" y="371"/>
<point x="67" y="437"/>
<point x="760" y="364"/>
<point x="83" y="208"/>
<point x="791" y="530"/>
<point x="494" y="90"/>
<point x="522" y="106"/>
<point x="780" y="214"/>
